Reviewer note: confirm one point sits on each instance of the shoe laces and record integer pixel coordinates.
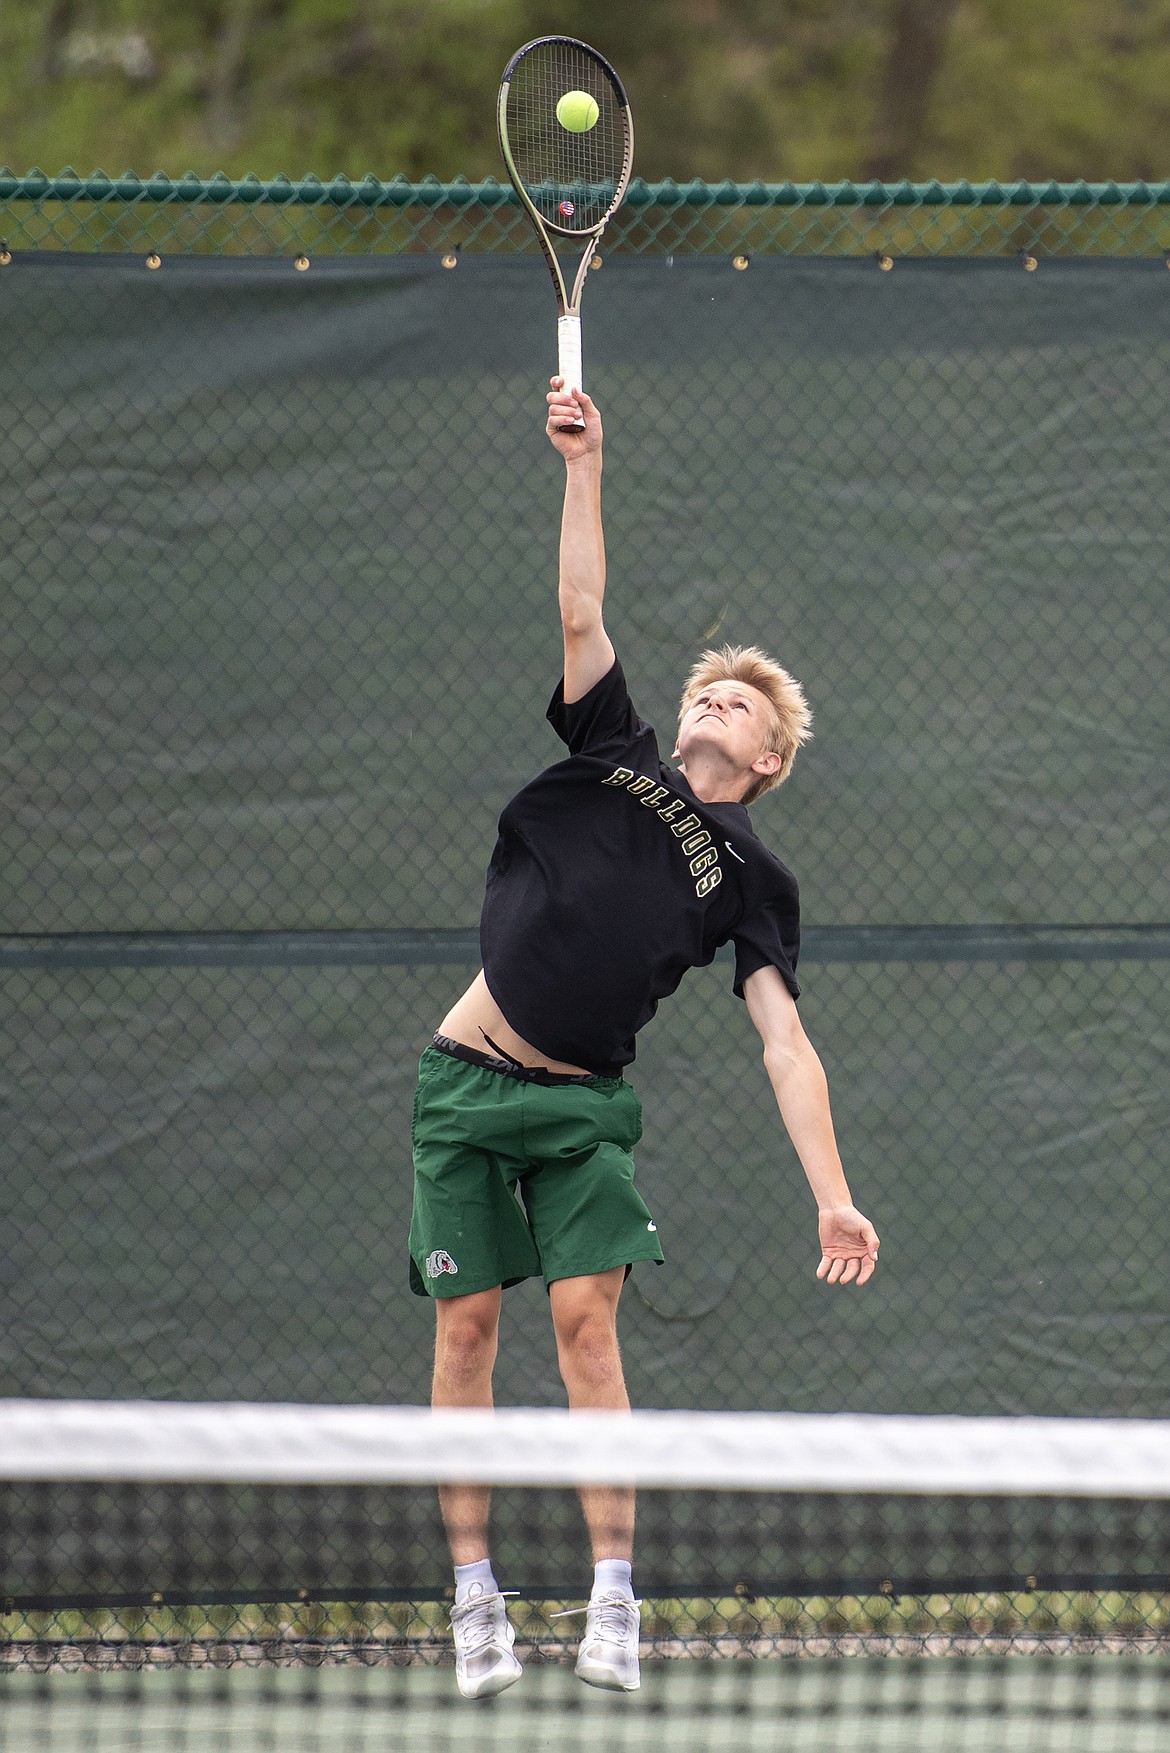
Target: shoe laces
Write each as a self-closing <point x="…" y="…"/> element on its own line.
<point x="477" y="1619"/>
<point x="613" y="1616"/>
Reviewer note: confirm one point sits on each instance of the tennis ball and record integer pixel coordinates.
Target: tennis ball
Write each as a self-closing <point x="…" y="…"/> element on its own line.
<point x="577" y="112"/>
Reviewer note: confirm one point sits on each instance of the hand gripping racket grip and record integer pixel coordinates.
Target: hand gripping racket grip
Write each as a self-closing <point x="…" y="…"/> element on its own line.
<point x="569" y="359"/>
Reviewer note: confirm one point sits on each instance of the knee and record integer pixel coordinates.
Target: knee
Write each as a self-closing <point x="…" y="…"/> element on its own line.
<point x="587" y="1339"/>
<point x="465" y="1336"/>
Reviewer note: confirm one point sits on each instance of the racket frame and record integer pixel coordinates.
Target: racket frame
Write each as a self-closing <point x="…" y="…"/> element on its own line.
<point x="568" y="300"/>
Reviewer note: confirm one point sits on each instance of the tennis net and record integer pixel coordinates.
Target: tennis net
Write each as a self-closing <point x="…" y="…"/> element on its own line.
<point x="254" y="1577"/>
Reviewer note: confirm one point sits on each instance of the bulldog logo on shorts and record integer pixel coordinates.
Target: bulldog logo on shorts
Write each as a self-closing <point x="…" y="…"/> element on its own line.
<point x="439" y="1262"/>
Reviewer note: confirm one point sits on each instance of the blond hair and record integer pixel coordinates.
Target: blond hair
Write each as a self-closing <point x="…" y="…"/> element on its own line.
<point x="789" y="720"/>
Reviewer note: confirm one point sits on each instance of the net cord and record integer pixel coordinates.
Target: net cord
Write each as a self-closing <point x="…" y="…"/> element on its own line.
<point x="383" y="1445"/>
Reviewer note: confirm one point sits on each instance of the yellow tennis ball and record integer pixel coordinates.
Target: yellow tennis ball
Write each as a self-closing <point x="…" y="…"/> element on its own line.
<point x="578" y="112"/>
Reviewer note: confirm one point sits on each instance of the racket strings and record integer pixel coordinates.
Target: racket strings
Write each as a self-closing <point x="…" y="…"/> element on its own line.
<point x="572" y="179"/>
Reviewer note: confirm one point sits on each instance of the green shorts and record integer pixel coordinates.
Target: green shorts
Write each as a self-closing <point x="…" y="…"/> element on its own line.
<point x="514" y="1179"/>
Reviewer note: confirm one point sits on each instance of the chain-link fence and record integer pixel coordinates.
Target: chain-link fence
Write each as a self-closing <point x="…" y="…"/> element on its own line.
<point x="339" y="217"/>
<point x="279" y="530"/>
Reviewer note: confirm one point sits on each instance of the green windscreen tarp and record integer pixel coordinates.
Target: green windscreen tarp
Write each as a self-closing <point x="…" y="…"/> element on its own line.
<point x="278" y="556"/>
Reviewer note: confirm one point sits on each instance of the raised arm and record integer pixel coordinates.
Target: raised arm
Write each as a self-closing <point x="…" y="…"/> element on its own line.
<point x="849" y="1243"/>
<point x="588" y="652"/>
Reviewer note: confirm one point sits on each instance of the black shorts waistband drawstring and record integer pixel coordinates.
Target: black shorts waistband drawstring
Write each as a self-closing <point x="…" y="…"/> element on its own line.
<point x="504" y="1064"/>
<point x="515" y="1064"/>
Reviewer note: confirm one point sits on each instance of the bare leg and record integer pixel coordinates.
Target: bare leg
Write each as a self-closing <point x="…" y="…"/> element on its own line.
<point x="584" y="1312"/>
<point x="466" y="1334"/>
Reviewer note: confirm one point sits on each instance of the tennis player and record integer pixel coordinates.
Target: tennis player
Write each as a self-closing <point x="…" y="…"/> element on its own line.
<point x="612" y="875"/>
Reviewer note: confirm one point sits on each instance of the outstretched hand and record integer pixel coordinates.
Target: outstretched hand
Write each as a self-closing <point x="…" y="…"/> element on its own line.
<point x="565" y="407"/>
<point x="849" y="1246"/>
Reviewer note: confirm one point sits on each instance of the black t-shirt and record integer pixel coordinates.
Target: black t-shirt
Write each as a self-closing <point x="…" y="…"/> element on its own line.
<point x="610" y="879"/>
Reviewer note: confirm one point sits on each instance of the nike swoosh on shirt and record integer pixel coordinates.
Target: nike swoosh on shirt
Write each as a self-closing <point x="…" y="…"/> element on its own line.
<point x="733" y="852"/>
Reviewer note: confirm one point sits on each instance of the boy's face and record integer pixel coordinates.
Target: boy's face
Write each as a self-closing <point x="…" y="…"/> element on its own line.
<point x="730" y="719"/>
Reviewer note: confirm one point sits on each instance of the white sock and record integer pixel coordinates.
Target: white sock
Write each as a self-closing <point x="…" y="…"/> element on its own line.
<point x="474" y="1579"/>
<point x="613" y="1573"/>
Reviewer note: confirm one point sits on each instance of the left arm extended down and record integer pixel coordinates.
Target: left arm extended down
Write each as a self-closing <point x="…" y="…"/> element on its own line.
<point x="849" y="1243"/>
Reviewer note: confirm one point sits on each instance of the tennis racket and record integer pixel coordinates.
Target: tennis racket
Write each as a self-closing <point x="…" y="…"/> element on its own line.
<point x="570" y="174"/>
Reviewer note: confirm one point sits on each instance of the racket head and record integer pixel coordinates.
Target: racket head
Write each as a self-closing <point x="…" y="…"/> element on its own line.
<point x="571" y="183"/>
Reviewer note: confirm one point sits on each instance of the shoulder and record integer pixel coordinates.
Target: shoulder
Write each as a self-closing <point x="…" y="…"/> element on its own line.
<point x="603" y="719"/>
<point x="766" y="875"/>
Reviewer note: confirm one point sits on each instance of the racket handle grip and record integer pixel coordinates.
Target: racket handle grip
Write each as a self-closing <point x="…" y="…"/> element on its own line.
<point x="569" y="359"/>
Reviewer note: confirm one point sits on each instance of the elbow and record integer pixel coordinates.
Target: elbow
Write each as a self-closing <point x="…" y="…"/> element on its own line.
<point x="790" y="1053"/>
<point x="579" y="620"/>
<point x="781" y="1056"/>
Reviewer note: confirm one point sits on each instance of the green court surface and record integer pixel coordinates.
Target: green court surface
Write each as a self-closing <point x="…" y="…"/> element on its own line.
<point x="1105" y="1704"/>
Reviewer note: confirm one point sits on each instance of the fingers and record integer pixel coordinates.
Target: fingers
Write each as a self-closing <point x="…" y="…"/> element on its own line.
<point x="846" y="1271"/>
<point x="574" y="425"/>
<point x="564" y="407"/>
<point x="855" y="1268"/>
<point x="574" y="398"/>
<point x="849" y="1247"/>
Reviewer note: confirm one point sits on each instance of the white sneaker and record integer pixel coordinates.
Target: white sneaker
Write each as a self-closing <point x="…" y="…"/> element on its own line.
<point x="484" y="1663"/>
<point x="609" y="1649"/>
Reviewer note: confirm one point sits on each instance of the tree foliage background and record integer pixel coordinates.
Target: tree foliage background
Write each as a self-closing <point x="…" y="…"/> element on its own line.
<point x="774" y="89"/>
